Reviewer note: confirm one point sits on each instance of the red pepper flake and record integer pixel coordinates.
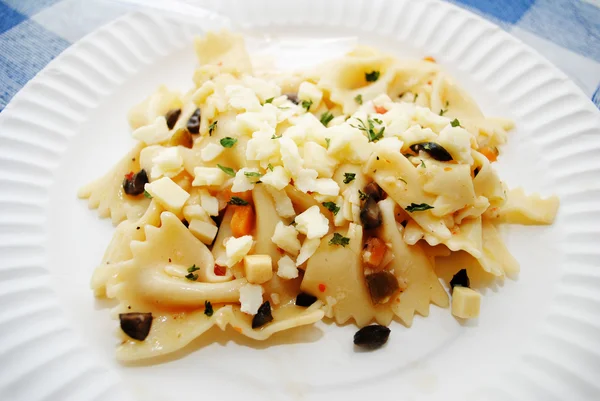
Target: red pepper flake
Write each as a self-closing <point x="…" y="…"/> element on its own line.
<point x="129" y="176"/>
<point x="322" y="287"/>
<point x="380" y="109"/>
<point x="220" y="270"/>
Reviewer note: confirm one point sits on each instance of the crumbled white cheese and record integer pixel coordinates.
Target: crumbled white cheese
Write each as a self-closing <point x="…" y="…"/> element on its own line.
<point x="416" y="134"/>
<point x="290" y="155"/>
<point x="196" y="212"/>
<point x="307" y="181"/>
<point x="286" y="268"/>
<point x="251" y="298"/>
<point x="310" y="92"/>
<point x="209" y="203"/>
<point x="242" y="182"/>
<point x="170" y="195"/>
<point x="392" y="144"/>
<point x="166" y="162"/>
<point x="309" y="247"/>
<point x="203" y="92"/>
<point x="348" y="143"/>
<point x="316" y="158"/>
<point x="283" y="203"/>
<point x="457" y="141"/>
<point x="241" y="98"/>
<point x="286" y="238"/>
<point x="204" y="231"/>
<point x="147" y="156"/>
<point x="465" y="302"/>
<point x="279" y="178"/>
<point x="275" y="298"/>
<point x="263" y="89"/>
<point x="262" y="147"/>
<point x="154" y="133"/>
<point x="211" y="151"/>
<point x="258" y="268"/>
<point x="312" y="223"/>
<point x="206" y="176"/>
<point x="237" y="248"/>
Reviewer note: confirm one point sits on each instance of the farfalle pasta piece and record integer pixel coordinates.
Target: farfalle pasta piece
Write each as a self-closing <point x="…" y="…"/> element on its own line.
<point x="107" y="195"/>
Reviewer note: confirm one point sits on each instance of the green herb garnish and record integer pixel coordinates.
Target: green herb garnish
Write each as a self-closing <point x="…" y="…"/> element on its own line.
<point x="208" y="309"/>
<point x="455" y="123"/>
<point x="349" y="177"/>
<point x="270" y="166"/>
<point x="326" y="118"/>
<point x="147" y="194"/>
<point x="227" y="170"/>
<point x="332" y="207"/>
<point x="372" y="76"/>
<point x="252" y="174"/>
<point x="403" y="180"/>
<point x="362" y="195"/>
<point x="237" y="201"/>
<point x="358" y="99"/>
<point x="328" y="141"/>
<point x="269" y="100"/>
<point x="338" y="239"/>
<point x="228" y="142"/>
<point x="370" y="129"/>
<point x="212" y="127"/>
<point x="191" y="275"/>
<point x="423" y="164"/>
<point x="418" y="207"/>
<point x="306" y="104"/>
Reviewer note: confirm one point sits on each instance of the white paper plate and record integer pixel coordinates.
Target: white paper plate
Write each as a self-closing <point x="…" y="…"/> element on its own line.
<point x="538" y="338"/>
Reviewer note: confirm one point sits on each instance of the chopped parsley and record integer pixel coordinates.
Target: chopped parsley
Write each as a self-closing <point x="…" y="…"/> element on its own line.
<point x="326" y="118"/>
<point x="372" y="76"/>
<point x="338" y="239"/>
<point x="269" y="100"/>
<point x="252" y="174"/>
<point x="362" y="195"/>
<point x="237" y="201"/>
<point x="191" y="276"/>
<point x="455" y="123"/>
<point x="403" y="180"/>
<point x="228" y="142"/>
<point x="418" y="207"/>
<point x="208" y="309"/>
<point x="358" y="99"/>
<point x="227" y="170"/>
<point x="444" y="111"/>
<point x="332" y="207"/>
<point x="275" y="136"/>
<point x="423" y="164"/>
<point x="370" y="130"/>
<point x="349" y="177"/>
<point x="306" y="104"/>
<point x="270" y="166"/>
<point x="212" y="127"/>
<point x="328" y="141"/>
<point x="147" y="194"/>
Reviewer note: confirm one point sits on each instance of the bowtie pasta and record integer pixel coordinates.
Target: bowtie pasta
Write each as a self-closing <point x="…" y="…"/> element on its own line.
<point x="265" y="201"/>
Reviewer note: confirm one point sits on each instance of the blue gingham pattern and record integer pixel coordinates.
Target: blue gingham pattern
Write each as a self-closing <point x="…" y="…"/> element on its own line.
<point x="33" y="32"/>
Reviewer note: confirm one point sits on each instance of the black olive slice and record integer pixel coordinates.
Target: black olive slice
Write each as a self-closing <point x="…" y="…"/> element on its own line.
<point x="382" y="285"/>
<point x="372" y="337"/>
<point x="374" y="191"/>
<point x="370" y="214"/>
<point x="292" y="97"/>
<point x="193" y="124"/>
<point x="135" y="184"/>
<point x="136" y="325"/>
<point x="438" y="152"/>
<point x="263" y="316"/>
<point x="460" y="279"/>
<point x="172" y="116"/>
<point x="304" y="299"/>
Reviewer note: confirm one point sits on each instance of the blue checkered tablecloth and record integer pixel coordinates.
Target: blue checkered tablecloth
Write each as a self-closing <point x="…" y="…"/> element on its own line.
<point x="33" y="32"/>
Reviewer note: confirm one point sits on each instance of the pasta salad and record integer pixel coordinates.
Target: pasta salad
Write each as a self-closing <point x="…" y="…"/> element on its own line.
<point x="266" y="200"/>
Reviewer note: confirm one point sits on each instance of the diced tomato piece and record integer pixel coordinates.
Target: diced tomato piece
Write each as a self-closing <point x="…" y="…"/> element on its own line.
<point x="220" y="270"/>
<point x="374" y="252"/>
<point x="380" y="109"/>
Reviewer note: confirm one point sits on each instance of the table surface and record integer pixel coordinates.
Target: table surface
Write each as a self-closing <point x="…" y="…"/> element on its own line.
<point x="33" y="32"/>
